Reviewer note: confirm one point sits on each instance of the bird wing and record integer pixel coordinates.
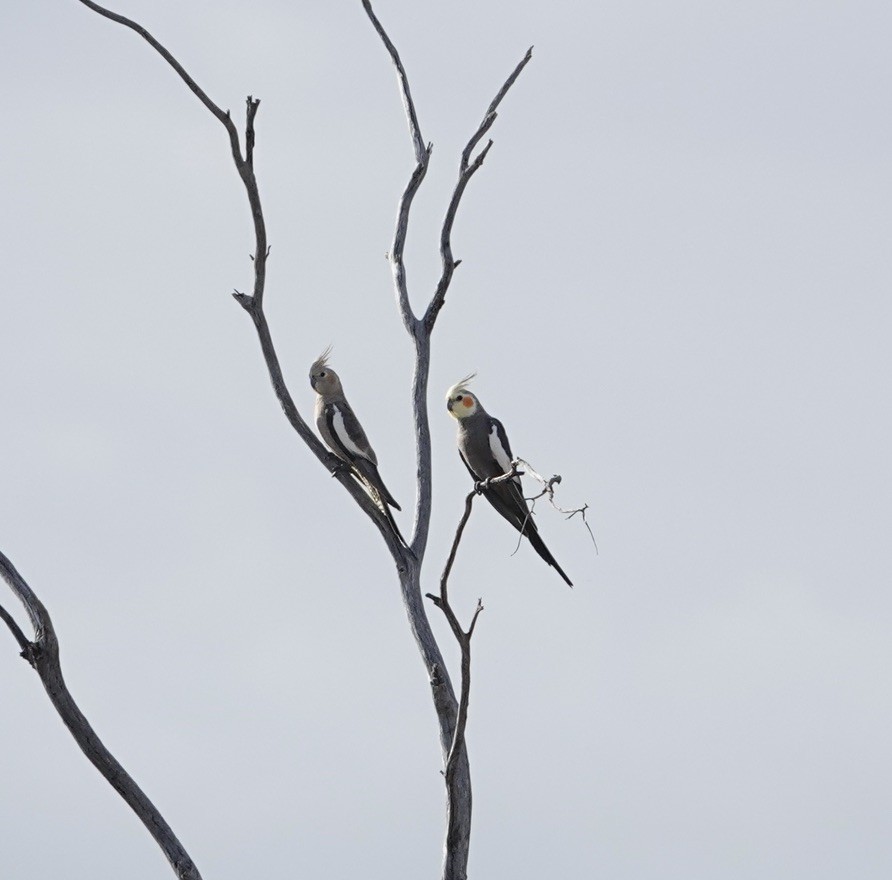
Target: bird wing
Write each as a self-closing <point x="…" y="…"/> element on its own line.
<point x="347" y="433"/>
<point x="353" y="446"/>
<point x="507" y="498"/>
<point x="501" y="449"/>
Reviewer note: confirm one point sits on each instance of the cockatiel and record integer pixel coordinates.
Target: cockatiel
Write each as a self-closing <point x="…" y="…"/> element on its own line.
<point x="342" y="433"/>
<point x="484" y="448"/>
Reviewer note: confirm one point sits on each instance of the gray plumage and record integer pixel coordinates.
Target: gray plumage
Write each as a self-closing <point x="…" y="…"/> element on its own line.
<point x="484" y="448"/>
<point x="344" y="436"/>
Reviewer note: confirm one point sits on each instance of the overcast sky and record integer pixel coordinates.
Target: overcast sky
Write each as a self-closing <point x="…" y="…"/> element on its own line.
<point x="676" y="289"/>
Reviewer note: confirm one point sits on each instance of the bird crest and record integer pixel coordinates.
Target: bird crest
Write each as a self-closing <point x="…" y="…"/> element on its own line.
<point x="321" y="362"/>
<point x="459" y="387"/>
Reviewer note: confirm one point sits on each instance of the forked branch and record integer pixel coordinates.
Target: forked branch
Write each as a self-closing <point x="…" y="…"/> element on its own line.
<point x="451" y="722"/>
<point x="19" y="636"/>
<point x="457" y="800"/>
<point x="466" y="171"/>
<point x="457" y="750"/>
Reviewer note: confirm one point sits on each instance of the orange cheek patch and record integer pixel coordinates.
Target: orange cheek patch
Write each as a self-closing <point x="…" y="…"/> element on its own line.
<point x="468" y="402"/>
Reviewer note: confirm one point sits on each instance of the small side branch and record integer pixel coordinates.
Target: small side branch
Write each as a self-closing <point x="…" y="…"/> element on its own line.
<point x="490" y="116"/>
<point x="466" y="171"/>
<point x="458" y="824"/>
<point x="43" y="654"/>
<point x="16" y="630"/>
<point x="548" y="491"/>
<point x="463" y="637"/>
<point x="454" y="827"/>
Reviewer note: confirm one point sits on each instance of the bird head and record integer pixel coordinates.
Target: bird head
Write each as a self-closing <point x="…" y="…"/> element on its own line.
<point x="459" y="401"/>
<point x="323" y="379"/>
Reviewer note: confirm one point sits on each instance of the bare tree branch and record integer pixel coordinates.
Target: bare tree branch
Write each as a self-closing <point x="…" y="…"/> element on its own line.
<point x="457" y="750"/>
<point x="490" y="116"/>
<point x="396" y="257"/>
<point x="43" y="655"/>
<point x="449" y="263"/>
<point x="253" y="304"/>
<point x="466" y="171"/>
<point x="422" y="159"/>
<point x="455" y="830"/>
<point x="408" y="103"/>
<point x="222" y="115"/>
<point x="452" y="722"/>
<point x="420" y="330"/>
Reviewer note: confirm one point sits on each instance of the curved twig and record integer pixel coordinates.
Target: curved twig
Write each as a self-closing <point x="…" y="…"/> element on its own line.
<point x="43" y="655"/>
<point x="548" y="490"/>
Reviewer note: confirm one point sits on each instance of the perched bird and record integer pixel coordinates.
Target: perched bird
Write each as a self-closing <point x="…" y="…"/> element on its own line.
<point x="341" y="431"/>
<point x="484" y="448"/>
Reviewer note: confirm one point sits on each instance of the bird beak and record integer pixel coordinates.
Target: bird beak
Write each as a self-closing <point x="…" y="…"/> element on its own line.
<point x="449" y="405"/>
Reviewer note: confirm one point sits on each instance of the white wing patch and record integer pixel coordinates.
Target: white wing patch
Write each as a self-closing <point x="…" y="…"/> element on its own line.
<point x="340" y="429"/>
<point x="499" y="453"/>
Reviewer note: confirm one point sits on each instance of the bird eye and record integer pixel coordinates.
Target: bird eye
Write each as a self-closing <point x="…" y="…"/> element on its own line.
<point x="322" y="375"/>
<point x="459" y="397"/>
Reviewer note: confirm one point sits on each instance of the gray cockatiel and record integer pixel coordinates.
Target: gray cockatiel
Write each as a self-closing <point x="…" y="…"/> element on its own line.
<point x="342" y="433"/>
<point x="484" y="448"/>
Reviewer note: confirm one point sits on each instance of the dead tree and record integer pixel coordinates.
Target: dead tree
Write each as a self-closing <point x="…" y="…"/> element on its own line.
<point x="451" y="710"/>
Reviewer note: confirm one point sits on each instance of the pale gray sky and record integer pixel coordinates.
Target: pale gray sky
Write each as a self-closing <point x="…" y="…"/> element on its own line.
<point x="676" y="290"/>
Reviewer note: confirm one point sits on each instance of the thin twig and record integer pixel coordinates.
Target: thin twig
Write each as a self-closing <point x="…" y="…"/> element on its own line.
<point x="16" y="630"/>
<point x="43" y="654"/>
<point x="464" y="642"/>
<point x="461" y="636"/>
<point x="548" y="489"/>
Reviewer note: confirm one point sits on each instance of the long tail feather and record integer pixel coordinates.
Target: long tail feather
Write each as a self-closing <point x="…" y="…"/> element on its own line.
<point x="371" y="476"/>
<point x="511" y="505"/>
<point x="380" y="499"/>
<point x="545" y="553"/>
